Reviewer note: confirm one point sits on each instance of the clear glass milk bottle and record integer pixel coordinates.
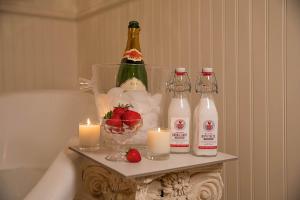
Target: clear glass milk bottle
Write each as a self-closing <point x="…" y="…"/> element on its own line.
<point x="205" y="140"/>
<point x="179" y="112"/>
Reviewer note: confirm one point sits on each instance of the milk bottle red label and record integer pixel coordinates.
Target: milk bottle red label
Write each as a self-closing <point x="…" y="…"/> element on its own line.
<point x="207" y="135"/>
<point x="180" y="132"/>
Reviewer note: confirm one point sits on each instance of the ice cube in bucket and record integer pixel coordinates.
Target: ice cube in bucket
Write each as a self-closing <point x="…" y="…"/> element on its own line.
<point x="151" y="104"/>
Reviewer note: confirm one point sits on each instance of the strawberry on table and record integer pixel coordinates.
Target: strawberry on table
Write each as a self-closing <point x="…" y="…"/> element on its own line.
<point x="133" y="155"/>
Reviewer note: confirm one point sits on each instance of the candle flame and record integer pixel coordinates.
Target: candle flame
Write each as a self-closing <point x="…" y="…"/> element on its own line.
<point x="88" y="121"/>
<point x="158" y="129"/>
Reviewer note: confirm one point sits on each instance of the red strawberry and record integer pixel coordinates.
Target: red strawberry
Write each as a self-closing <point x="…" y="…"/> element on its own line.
<point x="115" y="121"/>
<point x="133" y="155"/>
<point x="131" y="118"/>
<point x="119" y="110"/>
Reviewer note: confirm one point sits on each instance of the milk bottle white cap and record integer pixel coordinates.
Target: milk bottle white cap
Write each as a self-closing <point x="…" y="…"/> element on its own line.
<point x="180" y="69"/>
<point x="207" y="69"/>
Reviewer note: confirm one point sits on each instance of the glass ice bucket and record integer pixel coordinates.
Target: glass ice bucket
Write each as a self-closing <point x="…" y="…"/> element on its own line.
<point x="151" y="105"/>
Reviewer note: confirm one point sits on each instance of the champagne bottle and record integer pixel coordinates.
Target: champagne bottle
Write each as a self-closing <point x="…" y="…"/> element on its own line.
<point x="132" y="73"/>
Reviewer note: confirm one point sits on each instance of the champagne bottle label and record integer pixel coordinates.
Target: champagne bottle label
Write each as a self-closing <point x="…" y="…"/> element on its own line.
<point x="133" y="84"/>
<point x="133" y="55"/>
<point x="207" y="135"/>
<point x="132" y="73"/>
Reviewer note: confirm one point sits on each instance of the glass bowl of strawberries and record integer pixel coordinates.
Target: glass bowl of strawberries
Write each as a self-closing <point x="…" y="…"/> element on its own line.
<point x="121" y="124"/>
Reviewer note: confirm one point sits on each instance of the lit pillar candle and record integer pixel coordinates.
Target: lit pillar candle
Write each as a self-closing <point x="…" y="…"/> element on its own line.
<point x="158" y="141"/>
<point x="89" y="134"/>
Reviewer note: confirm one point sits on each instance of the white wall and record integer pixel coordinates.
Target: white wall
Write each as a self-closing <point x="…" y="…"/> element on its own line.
<point x="39" y="42"/>
<point x="37" y="52"/>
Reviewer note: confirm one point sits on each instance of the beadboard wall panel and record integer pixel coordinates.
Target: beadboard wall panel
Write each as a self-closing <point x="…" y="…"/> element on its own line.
<point x="37" y="53"/>
<point x="276" y="77"/>
<point x="260" y="99"/>
<point x="231" y="102"/>
<point x="291" y="83"/>
<point x="253" y="47"/>
<point x="245" y="99"/>
<point x="66" y="9"/>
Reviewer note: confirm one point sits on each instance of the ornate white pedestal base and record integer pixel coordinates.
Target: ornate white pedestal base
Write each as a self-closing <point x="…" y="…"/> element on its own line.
<point x="204" y="183"/>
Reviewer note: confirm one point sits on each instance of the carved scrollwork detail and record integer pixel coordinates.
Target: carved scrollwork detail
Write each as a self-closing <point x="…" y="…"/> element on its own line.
<point x="149" y="191"/>
<point x="105" y="184"/>
<point x="195" y="184"/>
<point x="207" y="186"/>
<point x="176" y="186"/>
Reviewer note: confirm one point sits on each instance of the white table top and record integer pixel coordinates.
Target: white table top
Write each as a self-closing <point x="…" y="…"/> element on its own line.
<point x="146" y="167"/>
